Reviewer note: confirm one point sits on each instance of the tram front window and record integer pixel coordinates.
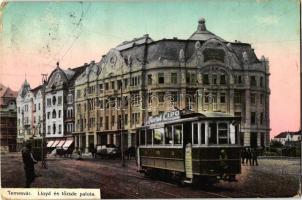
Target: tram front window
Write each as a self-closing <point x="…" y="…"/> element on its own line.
<point x="195" y="133"/>
<point x="142" y="137"/>
<point x="158" y="136"/>
<point x="177" y="134"/>
<point x="223" y="133"/>
<point x="168" y="135"/>
<point x="149" y="136"/>
<point x="212" y="133"/>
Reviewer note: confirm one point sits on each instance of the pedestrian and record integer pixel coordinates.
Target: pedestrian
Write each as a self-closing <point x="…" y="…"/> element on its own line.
<point x="223" y="165"/>
<point x="29" y="164"/>
<point x="254" y="156"/>
<point x="249" y="156"/>
<point x="243" y="155"/>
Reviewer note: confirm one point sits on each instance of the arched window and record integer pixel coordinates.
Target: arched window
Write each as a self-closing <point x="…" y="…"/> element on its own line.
<point x="54" y="114"/>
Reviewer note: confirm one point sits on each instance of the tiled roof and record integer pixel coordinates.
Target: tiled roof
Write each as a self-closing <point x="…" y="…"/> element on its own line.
<point x="284" y="134"/>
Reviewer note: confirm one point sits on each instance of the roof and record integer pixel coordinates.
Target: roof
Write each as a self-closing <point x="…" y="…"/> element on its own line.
<point x="6" y="93"/>
<point x="36" y="89"/>
<point x="285" y="133"/>
<point x="216" y="114"/>
<point x="136" y="41"/>
<point x="202" y="33"/>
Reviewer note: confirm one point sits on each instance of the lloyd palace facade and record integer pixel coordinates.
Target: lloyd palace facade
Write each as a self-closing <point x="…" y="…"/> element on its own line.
<point x="143" y="77"/>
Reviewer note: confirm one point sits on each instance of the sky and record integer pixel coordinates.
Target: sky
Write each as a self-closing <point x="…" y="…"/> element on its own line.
<point x="35" y="35"/>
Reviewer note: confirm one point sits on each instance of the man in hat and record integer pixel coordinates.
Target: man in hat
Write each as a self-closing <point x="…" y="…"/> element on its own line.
<point x="29" y="164"/>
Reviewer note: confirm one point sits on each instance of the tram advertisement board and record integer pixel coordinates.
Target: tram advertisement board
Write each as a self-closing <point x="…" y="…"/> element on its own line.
<point x="188" y="161"/>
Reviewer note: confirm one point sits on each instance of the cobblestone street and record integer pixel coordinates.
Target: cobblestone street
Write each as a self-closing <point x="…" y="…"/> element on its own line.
<point x="272" y="178"/>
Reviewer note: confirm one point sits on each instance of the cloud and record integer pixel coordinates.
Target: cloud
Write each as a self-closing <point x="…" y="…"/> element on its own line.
<point x="268" y="20"/>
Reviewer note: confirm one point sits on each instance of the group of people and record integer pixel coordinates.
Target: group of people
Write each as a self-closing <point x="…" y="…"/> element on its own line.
<point x="249" y="156"/>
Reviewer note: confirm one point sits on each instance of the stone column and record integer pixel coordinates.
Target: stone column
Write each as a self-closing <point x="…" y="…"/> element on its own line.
<point x="129" y="139"/>
<point x="231" y="102"/>
<point x="80" y="141"/>
<point x="76" y="142"/>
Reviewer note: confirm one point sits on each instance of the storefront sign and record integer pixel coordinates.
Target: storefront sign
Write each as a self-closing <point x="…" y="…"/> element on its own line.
<point x="164" y="117"/>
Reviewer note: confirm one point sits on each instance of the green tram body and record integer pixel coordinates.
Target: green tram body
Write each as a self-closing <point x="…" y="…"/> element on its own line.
<point x="206" y="156"/>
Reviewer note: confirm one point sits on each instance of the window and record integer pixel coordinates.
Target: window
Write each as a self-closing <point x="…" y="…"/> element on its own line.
<point x="149" y="79"/>
<point x="78" y="93"/>
<point x="214" y="79"/>
<point x="126" y="82"/>
<point x="223" y="133"/>
<point x="54" y="100"/>
<point x="168" y="135"/>
<point x="101" y="121"/>
<point x="237" y="97"/>
<point x="253" y="98"/>
<point x="206" y="97"/>
<point x="161" y="96"/>
<point x="222" y="98"/>
<point x="112" y="85"/>
<point x="253" y="81"/>
<point x="48" y="115"/>
<point x="174" y="96"/>
<point x="222" y="79"/>
<point x="149" y="136"/>
<point x="59" y="100"/>
<point x="54" y="114"/>
<point x="39" y="106"/>
<point x="107" y="122"/>
<point x="212" y="133"/>
<point x="191" y="78"/>
<point x="54" y="129"/>
<point x="161" y="78"/>
<point x="119" y="84"/>
<point x="106" y="86"/>
<point x="112" y="120"/>
<point x="205" y="79"/>
<point x="60" y="129"/>
<point x="261" y="98"/>
<point x="158" y="136"/>
<point x="142" y="138"/>
<point x="48" y="130"/>
<point x="195" y="133"/>
<point x="48" y="102"/>
<point x="203" y="131"/>
<point x="126" y="119"/>
<point x="177" y="134"/>
<point x="253" y="118"/>
<point x="238" y="79"/>
<point x="101" y="87"/>
<point x="261" y="118"/>
<point x="261" y="82"/>
<point x="174" y="78"/>
<point x="59" y="113"/>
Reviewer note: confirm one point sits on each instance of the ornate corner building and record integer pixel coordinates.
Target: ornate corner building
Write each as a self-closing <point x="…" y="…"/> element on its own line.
<point x="143" y="77"/>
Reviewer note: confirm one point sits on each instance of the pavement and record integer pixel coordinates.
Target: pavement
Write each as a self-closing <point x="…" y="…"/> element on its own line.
<point x="271" y="178"/>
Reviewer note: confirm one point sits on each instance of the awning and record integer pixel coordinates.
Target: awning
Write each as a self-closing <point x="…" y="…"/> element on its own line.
<point x="55" y="143"/>
<point x="49" y="143"/>
<point x="61" y="143"/>
<point x="68" y="142"/>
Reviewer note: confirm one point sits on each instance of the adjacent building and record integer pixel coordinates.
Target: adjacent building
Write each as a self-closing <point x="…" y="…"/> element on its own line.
<point x="59" y="106"/>
<point x="8" y="119"/>
<point x="30" y="113"/>
<point x="143" y="77"/>
<point x="288" y="137"/>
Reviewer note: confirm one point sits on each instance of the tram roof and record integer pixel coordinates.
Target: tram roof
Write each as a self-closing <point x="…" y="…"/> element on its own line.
<point x="193" y="116"/>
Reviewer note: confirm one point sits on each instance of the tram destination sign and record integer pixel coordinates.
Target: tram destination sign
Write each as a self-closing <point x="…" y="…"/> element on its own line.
<point x="164" y="117"/>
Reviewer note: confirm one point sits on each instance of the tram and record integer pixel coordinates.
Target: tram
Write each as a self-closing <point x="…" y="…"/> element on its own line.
<point x="192" y="147"/>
